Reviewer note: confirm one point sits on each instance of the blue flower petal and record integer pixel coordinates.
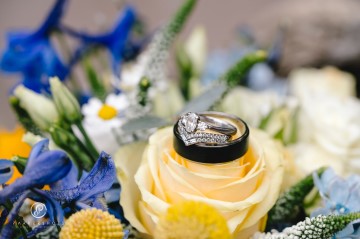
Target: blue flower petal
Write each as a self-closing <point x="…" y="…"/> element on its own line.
<point x="32" y="54"/>
<point x="352" y="230"/>
<point x="53" y="18"/>
<point x="69" y="181"/>
<point x="48" y="167"/>
<point x="6" y="170"/>
<point x="115" y="40"/>
<point x="99" y="180"/>
<point x="7" y="231"/>
<point x="339" y="191"/>
<point x="39" y="148"/>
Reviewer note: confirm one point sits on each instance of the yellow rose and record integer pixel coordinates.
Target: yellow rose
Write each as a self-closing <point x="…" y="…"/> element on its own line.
<point x="154" y="176"/>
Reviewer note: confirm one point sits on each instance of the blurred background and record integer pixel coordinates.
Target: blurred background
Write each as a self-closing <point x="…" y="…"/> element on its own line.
<point x="316" y="32"/>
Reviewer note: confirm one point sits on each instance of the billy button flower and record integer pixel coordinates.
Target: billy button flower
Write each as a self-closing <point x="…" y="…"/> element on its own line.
<point x="92" y="223"/>
<point x="190" y="219"/>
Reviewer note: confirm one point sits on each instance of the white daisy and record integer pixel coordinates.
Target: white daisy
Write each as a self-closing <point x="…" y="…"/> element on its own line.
<point x="102" y="121"/>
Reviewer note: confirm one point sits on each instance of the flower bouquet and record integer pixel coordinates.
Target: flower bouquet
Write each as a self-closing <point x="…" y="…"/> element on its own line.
<point x="227" y="150"/>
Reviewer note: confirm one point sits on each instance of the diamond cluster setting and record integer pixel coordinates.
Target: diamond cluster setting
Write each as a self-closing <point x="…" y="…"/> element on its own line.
<point x="190" y="123"/>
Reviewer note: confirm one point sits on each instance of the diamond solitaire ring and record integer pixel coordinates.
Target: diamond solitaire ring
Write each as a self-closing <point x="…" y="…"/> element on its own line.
<point x="192" y="126"/>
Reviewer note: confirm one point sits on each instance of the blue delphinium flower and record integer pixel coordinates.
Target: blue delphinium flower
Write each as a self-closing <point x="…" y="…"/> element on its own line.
<point x="115" y="40"/>
<point x="88" y="192"/>
<point x="32" y="54"/>
<point x="67" y="193"/>
<point x="340" y="196"/>
<point x="43" y="167"/>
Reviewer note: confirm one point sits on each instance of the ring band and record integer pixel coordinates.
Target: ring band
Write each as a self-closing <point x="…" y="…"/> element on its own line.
<point x="191" y="127"/>
<point x="193" y="121"/>
<point x="215" y="152"/>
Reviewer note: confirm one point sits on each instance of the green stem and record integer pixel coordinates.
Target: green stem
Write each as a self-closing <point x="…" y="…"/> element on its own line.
<point x="66" y="48"/>
<point x="88" y="141"/>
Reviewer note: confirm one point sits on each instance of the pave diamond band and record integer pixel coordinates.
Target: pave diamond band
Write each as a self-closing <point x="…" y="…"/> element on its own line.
<point x="193" y="143"/>
<point x="194" y="138"/>
<point x="193" y="122"/>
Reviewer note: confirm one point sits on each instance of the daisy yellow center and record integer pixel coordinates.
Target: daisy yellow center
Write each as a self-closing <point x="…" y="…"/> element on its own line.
<point x="107" y="112"/>
<point x="192" y="220"/>
<point x="92" y="223"/>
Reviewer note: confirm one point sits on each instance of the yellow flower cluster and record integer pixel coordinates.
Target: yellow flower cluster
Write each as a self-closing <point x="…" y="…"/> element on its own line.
<point x="92" y="224"/>
<point x="192" y="220"/>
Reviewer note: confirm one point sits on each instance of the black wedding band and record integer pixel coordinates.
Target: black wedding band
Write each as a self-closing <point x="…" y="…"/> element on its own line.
<point x="214" y="153"/>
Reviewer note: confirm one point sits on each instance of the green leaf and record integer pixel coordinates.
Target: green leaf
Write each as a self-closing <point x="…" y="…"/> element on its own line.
<point x="290" y="203"/>
<point x="96" y="85"/>
<point x="144" y="123"/>
<point x="185" y="70"/>
<point x="206" y="100"/>
<point x="237" y="73"/>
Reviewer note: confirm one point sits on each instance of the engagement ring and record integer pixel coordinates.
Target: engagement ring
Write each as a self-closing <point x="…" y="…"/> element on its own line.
<point x="192" y="127"/>
<point x="210" y="137"/>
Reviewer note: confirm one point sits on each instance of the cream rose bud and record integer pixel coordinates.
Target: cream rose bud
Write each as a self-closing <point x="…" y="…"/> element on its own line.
<point x="65" y="102"/>
<point x="41" y="109"/>
<point x="305" y="82"/>
<point x="154" y="176"/>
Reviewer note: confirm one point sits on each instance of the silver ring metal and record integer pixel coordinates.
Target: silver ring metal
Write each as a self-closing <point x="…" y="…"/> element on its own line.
<point x="191" y="127"/>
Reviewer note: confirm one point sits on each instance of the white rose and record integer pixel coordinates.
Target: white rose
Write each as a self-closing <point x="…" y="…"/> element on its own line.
<point x="329" y="118"/>
<point x="305" y="82"/>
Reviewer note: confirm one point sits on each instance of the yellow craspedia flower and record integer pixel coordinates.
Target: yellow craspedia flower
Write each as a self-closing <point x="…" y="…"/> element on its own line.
<point x="192" y="220"/>
<point x="11" y="144"/>
<point x="92" y="224"/>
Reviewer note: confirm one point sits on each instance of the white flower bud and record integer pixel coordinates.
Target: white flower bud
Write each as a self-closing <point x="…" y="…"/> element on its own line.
<point x="41" y="109"/>
<point x="65" y="101"/>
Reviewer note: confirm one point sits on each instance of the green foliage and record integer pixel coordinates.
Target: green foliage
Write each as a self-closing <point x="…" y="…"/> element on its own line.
<point x="97" y="87"/>
<point x="237" y="73"/>
<point x="290" y="203"/>
<point x="159" y="47"/>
